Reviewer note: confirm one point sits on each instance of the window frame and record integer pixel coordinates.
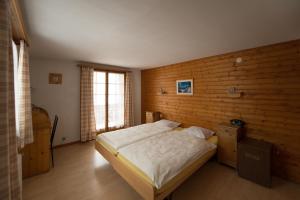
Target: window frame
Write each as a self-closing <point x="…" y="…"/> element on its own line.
<point x="106" y="99"/>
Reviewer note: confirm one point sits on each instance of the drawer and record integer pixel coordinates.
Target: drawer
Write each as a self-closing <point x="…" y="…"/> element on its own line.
<point x="152" y="116"/>
<point x="149" y="114"/>
<point x="226" y="136"/>
<point x="227" y="156"/>
<point x="227" y="130"/>
<point x="228" y="144"/>
<point x="149" y="120"/>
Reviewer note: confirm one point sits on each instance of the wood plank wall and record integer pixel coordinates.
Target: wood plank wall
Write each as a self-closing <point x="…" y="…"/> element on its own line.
<point x="269" y="77"/>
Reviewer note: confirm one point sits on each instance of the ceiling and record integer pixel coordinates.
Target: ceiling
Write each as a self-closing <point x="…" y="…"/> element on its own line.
<point x="151" y="33"/>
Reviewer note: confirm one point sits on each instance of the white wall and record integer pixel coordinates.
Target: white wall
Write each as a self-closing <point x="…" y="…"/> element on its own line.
<point x="64" y="100"/>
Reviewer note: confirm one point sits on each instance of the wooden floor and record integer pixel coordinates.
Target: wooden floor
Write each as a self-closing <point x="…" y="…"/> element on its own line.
<point x="82" y="173"/>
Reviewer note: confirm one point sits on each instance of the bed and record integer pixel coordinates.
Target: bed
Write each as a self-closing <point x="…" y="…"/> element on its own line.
<point x="143" y="176"/>
<point x="123" y="137"/>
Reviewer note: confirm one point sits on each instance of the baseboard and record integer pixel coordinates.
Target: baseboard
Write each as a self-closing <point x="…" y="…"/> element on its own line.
<point x="66" y="144"/>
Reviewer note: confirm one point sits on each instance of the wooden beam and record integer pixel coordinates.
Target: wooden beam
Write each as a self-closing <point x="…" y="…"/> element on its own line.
<point x="18" y="26"/>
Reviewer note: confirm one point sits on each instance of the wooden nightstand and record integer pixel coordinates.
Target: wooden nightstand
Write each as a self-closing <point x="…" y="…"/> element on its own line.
<point x="228" y="136"/>
<point x="152" y="116"/>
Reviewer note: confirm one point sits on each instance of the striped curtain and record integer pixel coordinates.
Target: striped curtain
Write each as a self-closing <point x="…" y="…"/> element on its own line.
<point x="87" y="114"/>
<point x="10" y="185"/>
<point x="129" y="117"/>
<point x="23" y="100"/>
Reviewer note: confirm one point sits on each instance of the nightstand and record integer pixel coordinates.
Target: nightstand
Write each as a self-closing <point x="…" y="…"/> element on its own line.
<point x="152" y="116"/>
<point x="228" y="136"/>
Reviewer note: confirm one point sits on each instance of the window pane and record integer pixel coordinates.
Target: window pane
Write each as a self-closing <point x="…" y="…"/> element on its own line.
<point x="116" y="89"/>
<point x="99" y="77"/>
<point x="115" y="100"/>
<point x="99" y="99"/>
<point x="116" y="78"/>
<point x="99" y="88"/>
<point x="100" y="116"/>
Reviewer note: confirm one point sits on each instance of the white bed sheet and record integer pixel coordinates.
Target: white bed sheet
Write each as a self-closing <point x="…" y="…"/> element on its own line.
<point x="163" y="156"/>
<point x="123" y="137"/>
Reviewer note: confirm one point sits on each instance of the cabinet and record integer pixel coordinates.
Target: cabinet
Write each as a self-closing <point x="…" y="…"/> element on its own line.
<point x="228" y="136"/>
<point x="152" y="116"/>
<point x="36" y="156"/>
<point x="254" y="160"/>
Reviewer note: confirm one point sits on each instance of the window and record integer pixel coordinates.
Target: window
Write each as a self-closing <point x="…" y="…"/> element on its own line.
<point x="109" y="100"/>
<point x="100" y="99"/>
<point x="115" y="100"/>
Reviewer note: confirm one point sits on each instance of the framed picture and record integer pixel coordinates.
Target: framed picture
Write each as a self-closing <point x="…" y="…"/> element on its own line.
<point x="184" y="87"/>
<point x="55" y="78"/>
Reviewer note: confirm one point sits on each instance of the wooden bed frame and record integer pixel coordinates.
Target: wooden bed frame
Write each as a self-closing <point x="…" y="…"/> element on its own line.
<point x="141" y="186"/>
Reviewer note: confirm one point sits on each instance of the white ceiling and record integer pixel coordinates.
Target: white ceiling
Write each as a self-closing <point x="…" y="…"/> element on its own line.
<point x="150" y="33"/>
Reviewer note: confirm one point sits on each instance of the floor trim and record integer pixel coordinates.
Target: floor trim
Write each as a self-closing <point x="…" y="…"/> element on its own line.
<point x="66" y="144"/>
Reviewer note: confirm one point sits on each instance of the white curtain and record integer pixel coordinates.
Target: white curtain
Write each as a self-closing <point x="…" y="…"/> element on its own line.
<point x="23" y="98"/>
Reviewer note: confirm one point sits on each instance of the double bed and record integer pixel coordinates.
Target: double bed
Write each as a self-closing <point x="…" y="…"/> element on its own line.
<point x="155" y="159"/>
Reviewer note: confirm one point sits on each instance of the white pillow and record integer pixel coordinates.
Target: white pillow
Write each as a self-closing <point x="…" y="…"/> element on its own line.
<point x="200" y="132"/>
<point x="168" y="123"/>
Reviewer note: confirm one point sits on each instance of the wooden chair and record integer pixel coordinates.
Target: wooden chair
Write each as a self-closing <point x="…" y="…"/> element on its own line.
<point x="52" y="137"/>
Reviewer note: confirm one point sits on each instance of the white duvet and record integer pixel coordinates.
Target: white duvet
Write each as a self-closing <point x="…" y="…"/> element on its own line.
<point x="123" y="137"/>
<point x="163" y="156"/>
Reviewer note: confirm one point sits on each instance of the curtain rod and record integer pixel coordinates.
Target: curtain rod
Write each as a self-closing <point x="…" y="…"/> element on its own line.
<point x="103" y="67"/>
<point x="19" y="31"/>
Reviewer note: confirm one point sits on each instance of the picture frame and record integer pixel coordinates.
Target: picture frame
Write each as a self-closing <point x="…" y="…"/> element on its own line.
<point x="184" y="87"/>
<point x="55" y="78"/>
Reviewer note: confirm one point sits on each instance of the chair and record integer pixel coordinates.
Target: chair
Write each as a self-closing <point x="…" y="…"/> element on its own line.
<point x="52" y="137"/>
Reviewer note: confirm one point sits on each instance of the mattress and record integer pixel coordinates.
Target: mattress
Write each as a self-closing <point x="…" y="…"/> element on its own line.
<point x="121" y="138"/>
<point x="160" y="159"/>
<point x="111" y="149"/>
<point x="107" y="146"/>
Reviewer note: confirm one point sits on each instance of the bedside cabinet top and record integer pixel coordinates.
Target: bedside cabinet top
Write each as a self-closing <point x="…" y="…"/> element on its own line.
<point x="228" y="125"/>
<point x="228" y="128"/>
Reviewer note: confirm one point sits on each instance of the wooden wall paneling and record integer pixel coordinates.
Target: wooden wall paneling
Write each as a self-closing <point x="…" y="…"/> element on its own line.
<point x="269" y="78"/>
